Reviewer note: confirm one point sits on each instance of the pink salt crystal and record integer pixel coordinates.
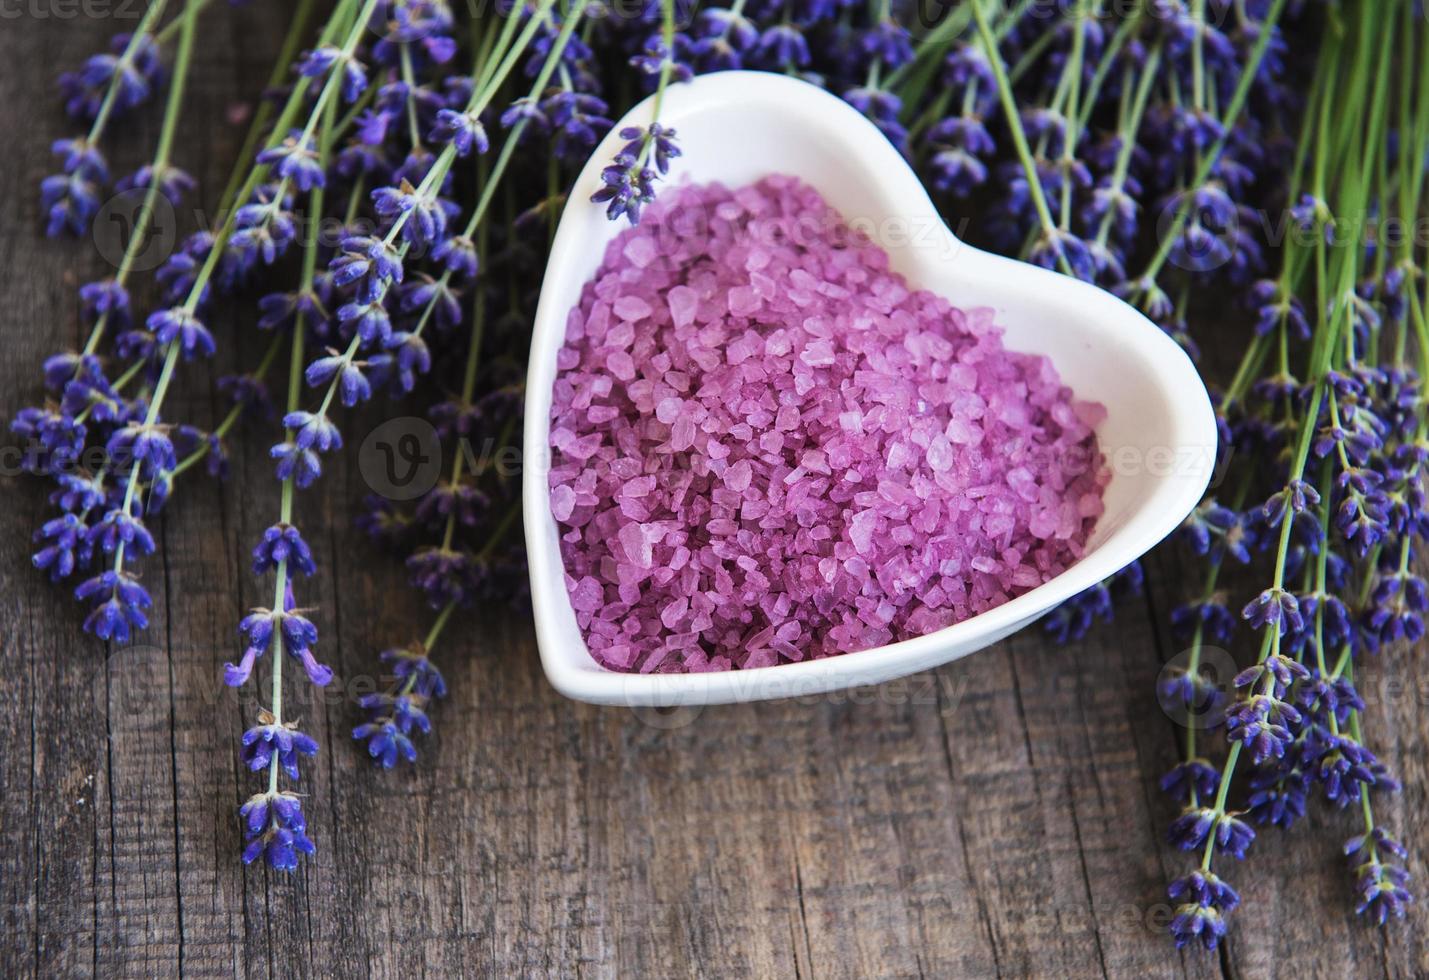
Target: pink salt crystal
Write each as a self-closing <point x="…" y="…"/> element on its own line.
<point x="760" y="658"/>
<point x="668" y="410"/>
<point x="818" y="354"/>
<point x="743" y="300"/>
<point x="961" y="432"/>
<point x="737" y="477"/>
<point x="586" y="595"/>
<point x="1043" y="522"/>
<point x="636" y="544"/>
<point x="641" y="251"/>
<point x="621" y="334"/>
<point x="682" y="301"/>
<point x="804" y="457"/>
<point x="940" y="454"/>
<point x="620" y="364"/>
<point x="814" y="461"/>
<point x="629" y="307"/>
<point x="860" y="530"/>
<point x="621" y="656"/>
<point x="563" y="501"/>
<point x="682" y="434"/>
<point x="674" y="611"/>
<point x="1091" y="505"/>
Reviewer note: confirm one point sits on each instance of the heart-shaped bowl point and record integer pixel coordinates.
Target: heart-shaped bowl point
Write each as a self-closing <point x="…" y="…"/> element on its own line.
<point x="1158" y="436"/>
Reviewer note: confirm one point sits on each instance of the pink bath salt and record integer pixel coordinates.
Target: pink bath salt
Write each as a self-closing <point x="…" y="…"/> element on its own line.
<point x="563" y="502"/>
<point x="860" y="531"/>
<point x="674" y="611"/>
<point x="1091" y="505"/>
<point x="641" y="251"/>
<point x="636" y="544"/>
<point x="737" y="477"/>
<point x="683" y="302"/>
<point x="682" y="434"/>
<point x="629" y="307"/>
<point x="586" y="595"/>
<point x="767" y="447"/>
<point x="668" y="410"/>
<point x="621" y="365"/>
<point x="743" y="300"/>
<point x="820" y="353"/>
<point x="940" y="454"/>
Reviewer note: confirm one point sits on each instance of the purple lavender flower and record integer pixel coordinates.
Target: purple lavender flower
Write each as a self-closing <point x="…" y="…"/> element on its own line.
<point x="180" y="325"/>
<point x="394" y="715"/>
<point x="463" y="130"/>
<point x="264" y="743"/>
<point x="283" y="543"/>
<point x="629" y="183"/>
<point x="1201" y="917"/>
<point x="295" y="159"/>
<point x="423" y="218"/>
<point x="119" y="603"/>
<point x="275" y="829"/>
<point x="170" y="181"/>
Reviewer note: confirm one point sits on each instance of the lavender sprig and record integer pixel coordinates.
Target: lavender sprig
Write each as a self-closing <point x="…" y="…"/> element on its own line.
<point x="1297" y="713"/>
<point x="629" y="181"/>
<point x="274" y="824"/>
<point x="106" y="85"/>
<point x="137" y="439"/>
<point x="451" y="575"/>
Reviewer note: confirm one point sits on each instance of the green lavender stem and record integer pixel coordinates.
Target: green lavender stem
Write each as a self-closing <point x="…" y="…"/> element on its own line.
<point x="1228" y="121"/>
<point x="126" y="60"/>
<point x="171" y="114"/>
<point x="478" y="320"/>
<point x="1014" y="125"/>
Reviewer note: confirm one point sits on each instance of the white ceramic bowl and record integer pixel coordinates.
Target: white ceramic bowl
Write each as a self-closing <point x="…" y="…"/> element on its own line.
<point x="1159" y="435"/>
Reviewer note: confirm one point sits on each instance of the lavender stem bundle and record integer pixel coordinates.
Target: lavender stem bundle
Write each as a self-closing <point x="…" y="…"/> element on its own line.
<point x="1346" y="429"/>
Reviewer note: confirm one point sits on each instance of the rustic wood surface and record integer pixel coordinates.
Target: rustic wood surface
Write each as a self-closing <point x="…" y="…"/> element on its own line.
<point x="996" y="817"/>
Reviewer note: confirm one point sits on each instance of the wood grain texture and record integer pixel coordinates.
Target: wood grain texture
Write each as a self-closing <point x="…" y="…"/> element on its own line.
<point x="996" y="817"/>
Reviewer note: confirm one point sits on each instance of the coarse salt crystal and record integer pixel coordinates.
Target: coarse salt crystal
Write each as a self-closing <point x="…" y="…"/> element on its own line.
<point x="629" y="307"/>
<point x="563" y="502"/>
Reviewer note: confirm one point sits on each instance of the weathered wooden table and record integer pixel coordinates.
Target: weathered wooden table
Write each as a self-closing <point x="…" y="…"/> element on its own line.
<point x="998" y="816"/>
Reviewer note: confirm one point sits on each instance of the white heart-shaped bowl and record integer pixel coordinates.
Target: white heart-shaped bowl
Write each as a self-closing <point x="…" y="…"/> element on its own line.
<point x="1159" y="434"/>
